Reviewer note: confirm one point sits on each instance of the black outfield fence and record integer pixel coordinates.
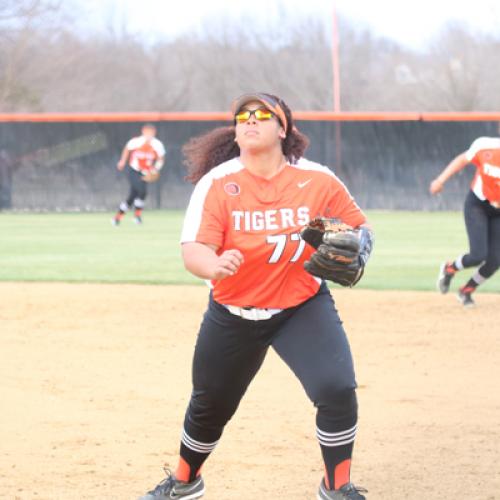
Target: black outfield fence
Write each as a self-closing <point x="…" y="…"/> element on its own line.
<point x="387" y="160"/>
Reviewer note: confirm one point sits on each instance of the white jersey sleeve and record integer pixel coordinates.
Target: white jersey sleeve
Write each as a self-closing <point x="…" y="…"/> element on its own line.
<point x="482" y="143"/>
<point x="158" y="147"/>
<point x="134" y="143"/>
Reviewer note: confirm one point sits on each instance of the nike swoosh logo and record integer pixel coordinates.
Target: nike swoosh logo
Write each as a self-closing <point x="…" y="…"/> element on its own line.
<point x="185" y="490"/>
<point x="303" y="184"/>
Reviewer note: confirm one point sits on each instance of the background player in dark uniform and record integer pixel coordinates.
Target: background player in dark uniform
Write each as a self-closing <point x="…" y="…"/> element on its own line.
<point x="242" y="231"/>
<point x="145" y="155"/>
<point x="482" y="216"/>
<point x="7" y="167"/>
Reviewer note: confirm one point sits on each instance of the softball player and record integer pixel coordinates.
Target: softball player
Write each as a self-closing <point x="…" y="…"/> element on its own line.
<point x="241" y="232"/>
<point x="482" y="216"/>
<point x="145" y="155"/>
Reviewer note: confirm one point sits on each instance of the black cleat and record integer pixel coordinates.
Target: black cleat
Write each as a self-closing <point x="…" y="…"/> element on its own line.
<point x="465" y="296"/>
<point x="446" y="273"/>
<point x="138" y="220"/>
<point x="347" y="492"/>
<point x="172" y="489"/>
<point x="115" y="222"/>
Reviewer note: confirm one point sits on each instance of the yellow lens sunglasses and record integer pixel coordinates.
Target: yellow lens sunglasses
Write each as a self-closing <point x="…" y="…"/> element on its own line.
<point x="261" y="114"/>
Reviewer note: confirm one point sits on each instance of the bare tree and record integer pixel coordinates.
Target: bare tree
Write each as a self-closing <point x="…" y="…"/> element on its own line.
<point x="450" y="72"/>
<point x="46" y="65"/>
<point x="20" y="22"/>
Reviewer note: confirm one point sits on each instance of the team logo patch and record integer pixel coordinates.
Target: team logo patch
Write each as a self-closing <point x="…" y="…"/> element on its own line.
<point x="232" y="189"/>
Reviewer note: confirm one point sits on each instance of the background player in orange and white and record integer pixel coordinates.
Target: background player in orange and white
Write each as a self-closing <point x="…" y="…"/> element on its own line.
<point x="482" y="216"/>
<point x="242" y="232"/>
<point x="145" y="155"/>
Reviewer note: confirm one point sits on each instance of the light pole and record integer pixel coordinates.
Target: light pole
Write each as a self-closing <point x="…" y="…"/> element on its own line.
<point x="335" y="61"/>
<point x="336" y="87"/>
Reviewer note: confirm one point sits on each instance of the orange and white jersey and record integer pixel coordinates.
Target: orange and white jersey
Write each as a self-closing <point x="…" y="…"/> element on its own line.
<point x="144" y="153"/>
<point x="484" y="153"/>
<point x="231" y="208"/>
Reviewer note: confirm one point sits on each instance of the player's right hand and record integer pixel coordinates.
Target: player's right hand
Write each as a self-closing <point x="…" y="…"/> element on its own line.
<point x="436" y="186"/>
<point x="227" y="264"/>
<point x="120" y="165"/>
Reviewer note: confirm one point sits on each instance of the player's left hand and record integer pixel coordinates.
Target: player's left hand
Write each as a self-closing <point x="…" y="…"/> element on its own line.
<point x="337" y="251"/>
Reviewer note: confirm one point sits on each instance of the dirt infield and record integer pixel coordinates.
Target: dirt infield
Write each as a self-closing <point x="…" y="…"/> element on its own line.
<point x="95" y="379"/>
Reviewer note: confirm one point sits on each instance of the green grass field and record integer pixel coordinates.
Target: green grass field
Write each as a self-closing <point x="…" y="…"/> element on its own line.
<point x="82" y="247"/>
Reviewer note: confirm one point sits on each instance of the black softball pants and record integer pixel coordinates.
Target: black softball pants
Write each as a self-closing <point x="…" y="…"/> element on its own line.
<point x="482" y="221"/>
<point x="138" y="189"/>
<point x="230" y="350"/>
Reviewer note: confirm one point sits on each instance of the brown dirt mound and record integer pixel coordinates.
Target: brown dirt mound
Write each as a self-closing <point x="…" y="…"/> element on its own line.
<point x="95" y="380"/>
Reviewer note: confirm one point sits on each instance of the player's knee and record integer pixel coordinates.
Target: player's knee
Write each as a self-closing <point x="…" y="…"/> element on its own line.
<point x="339" y="405"/>
<point x="211" y="408"/>
<point x="493" y="261"/>
<point x="338" y="414"/>
<point x="139" y="203"/>
<point x="489" y="268"/>
<point x="477" y="257"/>
<point x="334" y="392"/>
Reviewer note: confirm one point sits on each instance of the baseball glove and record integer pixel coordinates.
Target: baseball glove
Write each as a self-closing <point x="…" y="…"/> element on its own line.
<point x="337" y="251"/>
<point x="151" y="176"/>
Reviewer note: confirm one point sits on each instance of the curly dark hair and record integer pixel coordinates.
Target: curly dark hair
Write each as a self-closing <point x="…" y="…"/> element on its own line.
<point x="208" y="150"/>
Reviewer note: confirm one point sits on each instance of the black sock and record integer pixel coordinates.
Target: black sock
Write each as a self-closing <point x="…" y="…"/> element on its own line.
<point x="195" y="450"/>
<point x="190" y="464"/>
<point x="119" y="215"/>
<point x="336" y="430"/>
<point x="337" y="465"/>
<point x="471" y="284"/>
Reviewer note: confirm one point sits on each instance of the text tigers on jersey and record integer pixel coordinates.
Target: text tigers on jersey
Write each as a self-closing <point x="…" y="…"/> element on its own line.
<point x="144" y="155"/>
<point x="269" y="220"/>
<point x="491" y="170"/>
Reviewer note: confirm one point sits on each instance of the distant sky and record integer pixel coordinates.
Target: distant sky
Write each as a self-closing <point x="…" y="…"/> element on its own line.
<point x="412" y="23"/>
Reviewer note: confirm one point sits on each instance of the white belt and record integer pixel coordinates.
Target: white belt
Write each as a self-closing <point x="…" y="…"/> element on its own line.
<point x="253" y="313"/>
